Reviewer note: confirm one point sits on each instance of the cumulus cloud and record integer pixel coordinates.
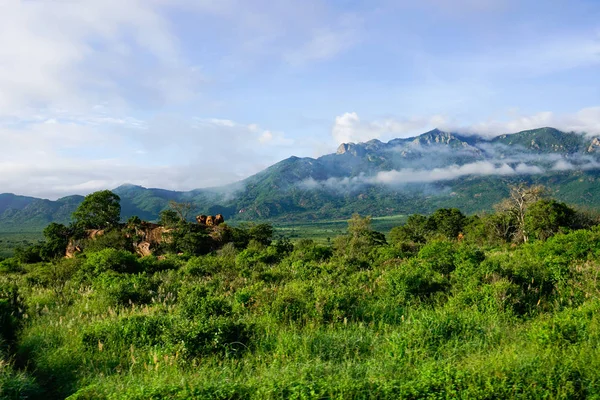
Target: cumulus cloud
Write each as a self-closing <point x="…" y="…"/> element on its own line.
<point x="84" y="87"/>
<point x="59" y="158"/>
<point x="586" y="121"/>
<point x="348" y="127"/>
<point x="74" y="55"/>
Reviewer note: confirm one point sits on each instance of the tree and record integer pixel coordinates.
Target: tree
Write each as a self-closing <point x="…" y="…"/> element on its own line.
<point x="168" y="218"/>
<point x="515" y="206"/>
<point x="448" y="222"/>
<point x="545" y="218"/>
<point x="414" y="230"/>
<point x="262" y="233"/>
<point x="57" y="239"/>
<point x="99" y="210"/>
<point x="360" y="239"/>
<point x="183" y="210"/>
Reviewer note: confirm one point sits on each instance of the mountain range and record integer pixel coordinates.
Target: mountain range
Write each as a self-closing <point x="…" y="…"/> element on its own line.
<point x="403" y="176"/>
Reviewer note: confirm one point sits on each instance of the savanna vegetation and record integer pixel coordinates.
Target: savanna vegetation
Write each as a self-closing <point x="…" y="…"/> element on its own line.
<point x="503" y="305"/>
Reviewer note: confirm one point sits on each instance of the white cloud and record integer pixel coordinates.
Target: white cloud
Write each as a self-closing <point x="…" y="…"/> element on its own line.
<point x="349" y="127"/>
<point x="586" y="121"/>
<point x="411" y="175"/>
<point x="481" y="168"/>
<point x="65" y="157"/>
<point x="72" y="55"/>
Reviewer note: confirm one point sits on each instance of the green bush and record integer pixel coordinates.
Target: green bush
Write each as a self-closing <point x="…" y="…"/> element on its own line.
<point x="111" y="260"/>
<point x="439" y="256"/>
<point x="120" y="289"/>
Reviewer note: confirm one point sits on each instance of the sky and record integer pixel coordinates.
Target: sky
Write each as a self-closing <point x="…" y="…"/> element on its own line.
<point x="184" y="94"/>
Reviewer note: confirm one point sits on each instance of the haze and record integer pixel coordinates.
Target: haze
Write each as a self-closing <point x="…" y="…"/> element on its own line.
<point x="187" y="94"/>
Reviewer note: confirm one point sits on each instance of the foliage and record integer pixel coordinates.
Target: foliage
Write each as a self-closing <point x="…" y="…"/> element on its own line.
<point x="432" y="315"/>
<point x="546" y="218"/>
<point x="99" y="210"/>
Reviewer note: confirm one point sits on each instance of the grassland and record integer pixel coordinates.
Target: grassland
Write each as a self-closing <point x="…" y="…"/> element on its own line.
<point x="325" y="231"/>
<point x="11" y="240"/>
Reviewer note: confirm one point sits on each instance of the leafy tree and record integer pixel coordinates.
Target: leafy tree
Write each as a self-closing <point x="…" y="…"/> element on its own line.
<point x="448" y="222"/>
<point x="414" y="230"/>
<point x="57" y="239"/>
<point x="262" y="233"/>
<point x="99" y="210"/>
<point x="189" y="238"/>
<point x="360" y="239"/>
<point x="545" y="218"/>
<point x="29" y="254"/>
<point x="168" y="218"/>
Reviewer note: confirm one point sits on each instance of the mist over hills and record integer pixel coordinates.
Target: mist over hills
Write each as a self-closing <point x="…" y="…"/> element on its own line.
<point x="403" y="176"/>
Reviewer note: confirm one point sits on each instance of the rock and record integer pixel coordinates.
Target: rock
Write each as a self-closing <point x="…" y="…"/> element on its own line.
<point x="72" y="249"/>
<point x="594" y="145"/>
<point x="143" y="249"/>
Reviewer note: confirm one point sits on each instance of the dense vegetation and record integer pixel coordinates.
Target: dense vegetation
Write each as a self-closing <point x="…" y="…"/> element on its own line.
<point x="503" y="305"/>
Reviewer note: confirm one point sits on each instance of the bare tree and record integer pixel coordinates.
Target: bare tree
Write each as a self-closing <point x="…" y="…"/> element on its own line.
<point x="183" y="210"/>
<point x="520" y="198"/>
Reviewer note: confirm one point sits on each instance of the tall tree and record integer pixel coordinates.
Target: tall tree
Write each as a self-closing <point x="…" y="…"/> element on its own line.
<point x="516" y="205"/>
<point x="99" y="210"/>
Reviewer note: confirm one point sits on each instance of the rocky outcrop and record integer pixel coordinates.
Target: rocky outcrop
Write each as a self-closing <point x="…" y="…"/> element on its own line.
<point x="210" y="220"/>
<point x="147" y="236"/>
<point x="76" y="245"/>
<point x="593" y="147"/>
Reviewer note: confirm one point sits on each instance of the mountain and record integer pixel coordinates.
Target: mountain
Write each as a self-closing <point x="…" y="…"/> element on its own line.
<point x="405" y="175"/>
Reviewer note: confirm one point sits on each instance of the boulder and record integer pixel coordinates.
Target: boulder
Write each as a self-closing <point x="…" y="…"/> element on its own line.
<point x="143" y="249"/>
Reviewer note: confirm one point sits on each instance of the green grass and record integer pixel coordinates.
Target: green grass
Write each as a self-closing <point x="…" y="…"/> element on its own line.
<point x="10" y="240"/>
<point x="320" y="231"/>
<point x="442" y="321"/>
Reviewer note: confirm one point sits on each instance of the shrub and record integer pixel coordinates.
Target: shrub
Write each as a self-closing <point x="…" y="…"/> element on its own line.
<point x="118" y="289"/>
<point x="439" y="256"/>
<point x="111" y="260"/>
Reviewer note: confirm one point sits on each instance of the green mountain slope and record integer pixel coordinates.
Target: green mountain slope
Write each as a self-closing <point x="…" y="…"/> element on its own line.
<point x="406" y="175"/>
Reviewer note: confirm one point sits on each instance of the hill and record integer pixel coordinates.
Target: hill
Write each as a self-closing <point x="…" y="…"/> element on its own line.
<point x="405" y="175"/>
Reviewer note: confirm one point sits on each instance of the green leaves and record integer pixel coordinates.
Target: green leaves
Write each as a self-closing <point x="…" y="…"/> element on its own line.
<point x="99" y="210"/>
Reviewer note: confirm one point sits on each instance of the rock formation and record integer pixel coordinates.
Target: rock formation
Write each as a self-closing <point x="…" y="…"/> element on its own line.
<point x="147" y="236"/>
<point x="75" y="245"/>
<point x="210" y="220"/>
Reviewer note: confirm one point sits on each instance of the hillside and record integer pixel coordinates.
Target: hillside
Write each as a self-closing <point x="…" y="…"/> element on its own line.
<point x="405" y="175"/>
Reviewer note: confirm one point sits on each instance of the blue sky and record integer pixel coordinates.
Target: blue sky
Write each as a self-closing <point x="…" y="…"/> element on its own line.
<point x="182" y="94"/>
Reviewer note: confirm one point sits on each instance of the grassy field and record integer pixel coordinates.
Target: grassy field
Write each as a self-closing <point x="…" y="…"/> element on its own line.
<point x="324" y="231"/>
<point x="10" y="240"/>
<point x="441" y="320"/>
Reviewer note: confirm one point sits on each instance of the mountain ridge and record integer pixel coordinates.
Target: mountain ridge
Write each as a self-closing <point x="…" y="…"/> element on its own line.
<point x="472" y="171"/>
